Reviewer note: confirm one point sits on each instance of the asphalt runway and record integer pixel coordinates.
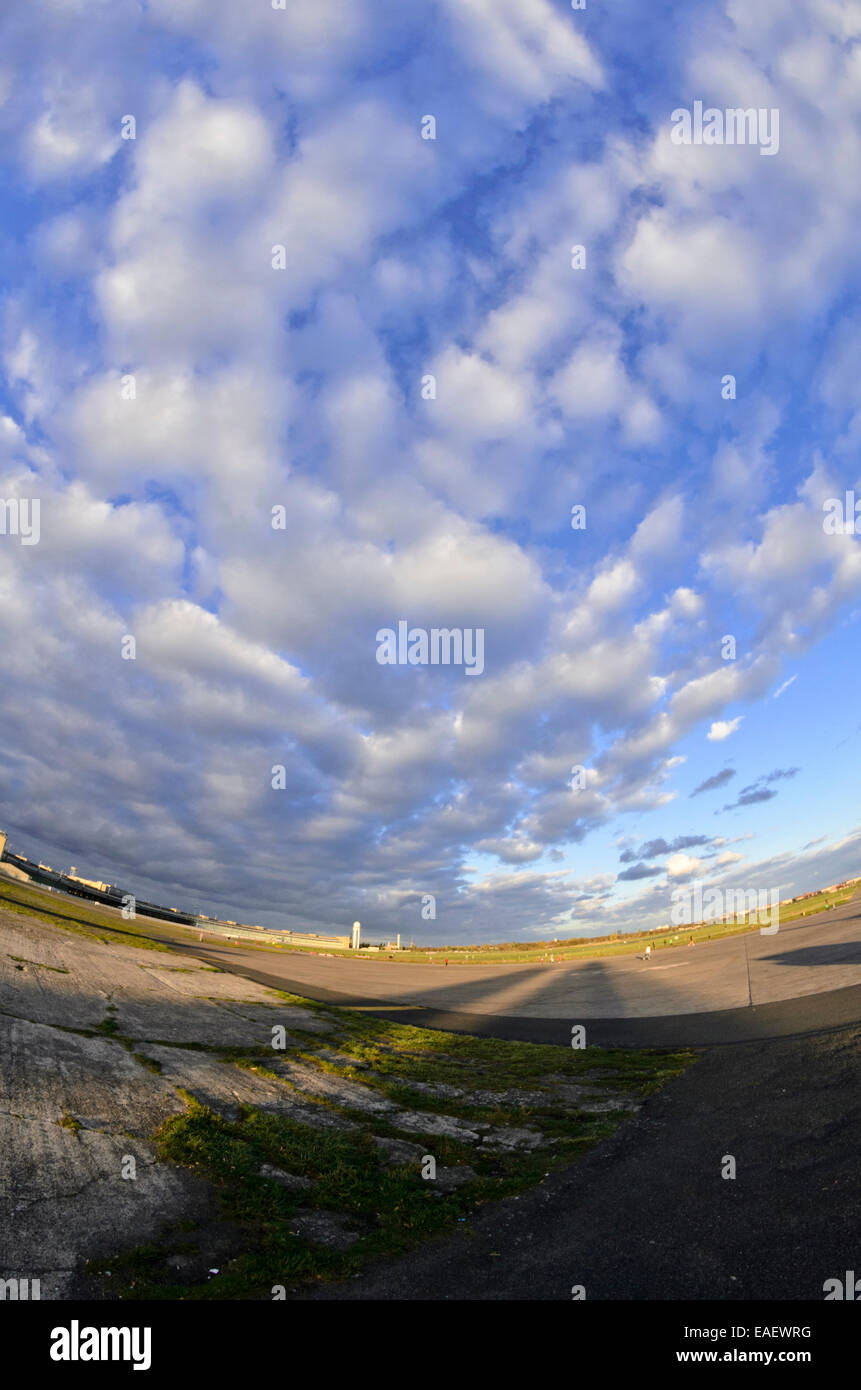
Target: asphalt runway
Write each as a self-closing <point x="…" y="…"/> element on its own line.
<point x="804" y="978"/>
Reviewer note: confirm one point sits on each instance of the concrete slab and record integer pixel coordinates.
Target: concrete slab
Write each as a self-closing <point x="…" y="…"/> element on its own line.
<point x="76" y="1108"/>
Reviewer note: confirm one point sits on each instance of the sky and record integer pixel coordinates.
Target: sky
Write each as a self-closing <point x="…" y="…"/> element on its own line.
<point x="319" y="319"/>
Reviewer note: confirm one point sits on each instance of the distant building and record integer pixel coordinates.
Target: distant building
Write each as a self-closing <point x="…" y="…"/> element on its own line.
<point x="87" y="882"/>
<point x="214" y="926"/>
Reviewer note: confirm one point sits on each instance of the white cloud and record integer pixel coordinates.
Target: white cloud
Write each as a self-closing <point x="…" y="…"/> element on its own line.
<point x="683" y="865"/>
<point x="722" y="728"/>
<point x="71" y="137"/>
<point x="524" y="46"/>
<point x="728" y="857"/>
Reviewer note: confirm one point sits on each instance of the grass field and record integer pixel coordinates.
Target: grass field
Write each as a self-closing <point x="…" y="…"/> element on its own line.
<point x="151" y="933"/>
<point x="77" y="915"/>
<point x="625" y="944"/>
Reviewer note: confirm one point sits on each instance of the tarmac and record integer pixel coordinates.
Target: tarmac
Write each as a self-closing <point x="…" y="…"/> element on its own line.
<point x="805" y="977"/>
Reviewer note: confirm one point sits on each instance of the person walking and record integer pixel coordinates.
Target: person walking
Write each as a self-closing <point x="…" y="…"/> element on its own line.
<point x="648" y="955"/>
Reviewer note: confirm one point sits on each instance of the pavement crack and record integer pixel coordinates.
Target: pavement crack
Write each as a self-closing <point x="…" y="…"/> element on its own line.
<point x="27" y="1202"/>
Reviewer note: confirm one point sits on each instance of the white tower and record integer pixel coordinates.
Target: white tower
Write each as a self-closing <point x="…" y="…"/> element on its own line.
<point x="357" y="931"/>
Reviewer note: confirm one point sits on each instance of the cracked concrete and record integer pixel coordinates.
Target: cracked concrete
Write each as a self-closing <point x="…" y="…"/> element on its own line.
<point x="63" y="1193"/>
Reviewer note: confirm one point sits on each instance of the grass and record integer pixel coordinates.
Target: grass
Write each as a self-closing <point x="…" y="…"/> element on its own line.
<point x="151" y="1063"/>
<point x="85" y="920"/>
<point x="69" y="1122"/>
<point x="254" y="1225"/>
<point x="58" y="969"/>
<point x="394" y="1207"/>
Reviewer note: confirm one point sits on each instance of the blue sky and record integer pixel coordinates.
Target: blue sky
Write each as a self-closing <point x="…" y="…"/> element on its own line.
<point x="301" y="388"/>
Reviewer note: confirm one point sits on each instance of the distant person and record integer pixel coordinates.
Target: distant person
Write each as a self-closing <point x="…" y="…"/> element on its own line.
<point x="648" y="955"/>
<point x="690" y="941"/>
<point x="446" y="960"/>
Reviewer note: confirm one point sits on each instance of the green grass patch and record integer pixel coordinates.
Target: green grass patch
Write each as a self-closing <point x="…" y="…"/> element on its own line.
<point x="390" y="1208"/>
<point x="401" y="1054"/>
<point x="151" y="1063"/>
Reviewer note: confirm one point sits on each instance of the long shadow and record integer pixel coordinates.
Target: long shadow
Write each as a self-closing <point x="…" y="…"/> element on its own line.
<point x="809" y="1013"/>
<point x="542" y="978"/>
<point x="803" y="1016"/>
<point x="834" y="953"/>
<point x="531" y="982"/>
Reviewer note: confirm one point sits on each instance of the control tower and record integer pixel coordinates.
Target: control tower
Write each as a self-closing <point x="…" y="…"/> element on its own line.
<point x="2" y="842"/>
